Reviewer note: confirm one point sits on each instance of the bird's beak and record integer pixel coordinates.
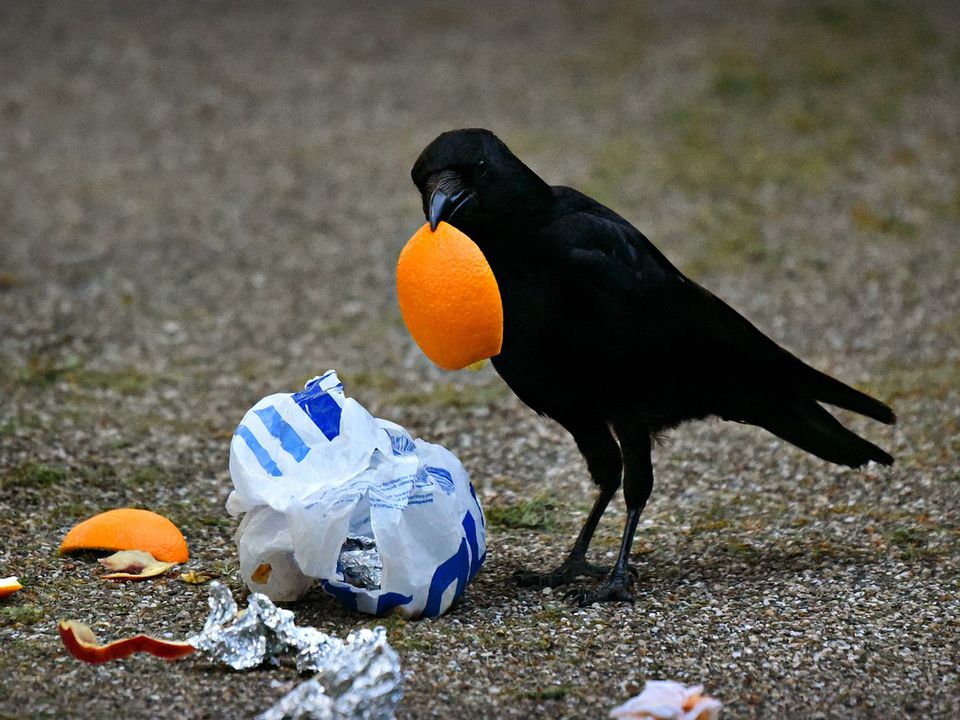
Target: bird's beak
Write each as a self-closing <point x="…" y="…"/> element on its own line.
<point x="443" y="205"/>
<point x="449" y="195"/>
<point x="440" y="203"/>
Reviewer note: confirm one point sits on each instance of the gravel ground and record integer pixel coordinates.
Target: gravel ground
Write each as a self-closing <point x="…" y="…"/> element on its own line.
<point x="202" y="204"/>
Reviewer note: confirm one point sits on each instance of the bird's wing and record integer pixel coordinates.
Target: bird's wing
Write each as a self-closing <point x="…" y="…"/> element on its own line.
<point x="651" y="310"/>
<point x="652" y="305"/>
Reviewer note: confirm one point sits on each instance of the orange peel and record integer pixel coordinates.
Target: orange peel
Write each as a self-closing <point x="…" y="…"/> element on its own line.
<point x="9" y="585"/>
<point x="129" y="529"/>
<point x="449" y="297"/>
<point x="134" y="565"/>
<point x="82" y="643"/>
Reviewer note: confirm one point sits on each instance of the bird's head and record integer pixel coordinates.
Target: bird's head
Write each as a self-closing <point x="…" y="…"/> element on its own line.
<point x="471" y="180"/>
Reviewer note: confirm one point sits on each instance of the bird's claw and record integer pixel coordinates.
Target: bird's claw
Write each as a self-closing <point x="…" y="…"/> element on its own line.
<point x="616" y="589"/>
<point x="563" y="575"/>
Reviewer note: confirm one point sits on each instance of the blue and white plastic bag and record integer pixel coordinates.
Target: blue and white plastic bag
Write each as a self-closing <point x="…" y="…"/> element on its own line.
<point x="331" y="494"/>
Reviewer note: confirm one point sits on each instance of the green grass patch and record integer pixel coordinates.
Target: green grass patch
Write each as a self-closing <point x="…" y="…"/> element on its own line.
<point x="788" y="107"/>
<point x="914" y="543"/>
<point x="551" y="692"/>
<point x="613" y="165"/>
<point x="20" y="615"/>
<point x="221" y="522"/>
<point x="401" y="634"/>
<point x="908" y="537"/>
<point x="148" y="476"/>
<point x="732" y="240"/>
<point x="537" y="513"/>
<point x="709" y="525"/>
<point x="44" y="369"/>
<point x="743" y="79"/>
<point x="869" y="220"/>
<point x="366" y="380"/>
<point x="720" y="151"/>
<point x="32" y="475"/>
<point x="937" y="380"/>
<point x="126" y="381"/>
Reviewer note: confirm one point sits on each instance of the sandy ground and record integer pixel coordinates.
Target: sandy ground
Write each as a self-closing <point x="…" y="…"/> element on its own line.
<point x="200" y="205"/>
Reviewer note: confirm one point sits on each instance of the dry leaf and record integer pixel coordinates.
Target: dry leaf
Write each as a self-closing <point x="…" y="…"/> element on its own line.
<point x="192" y="577"/>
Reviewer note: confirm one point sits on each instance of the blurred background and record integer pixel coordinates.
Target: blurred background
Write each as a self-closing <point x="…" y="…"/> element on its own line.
<point x="203" y="203"/>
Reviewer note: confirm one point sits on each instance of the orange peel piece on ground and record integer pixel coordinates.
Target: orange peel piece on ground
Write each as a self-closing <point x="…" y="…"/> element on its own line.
<point x="129" y="529"/>
<point x="9" y="585"/>
<point x="449" y="297"/>
<point x="134" y="565"/>
<point x="82" y="643"/>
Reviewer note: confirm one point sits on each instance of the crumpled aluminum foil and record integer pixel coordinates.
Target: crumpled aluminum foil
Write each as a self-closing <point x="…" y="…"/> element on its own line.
<point x="357" y="678"/>
<point x="360" y="562"/>
<point x="247" y="638"/>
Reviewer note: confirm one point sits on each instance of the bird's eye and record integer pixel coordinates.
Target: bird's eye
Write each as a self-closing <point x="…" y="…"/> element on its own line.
<point x="481" y="168"/>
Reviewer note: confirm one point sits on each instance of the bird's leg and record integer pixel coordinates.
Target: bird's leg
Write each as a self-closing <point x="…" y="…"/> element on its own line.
<point x="576" y="564"/>
<point x="637" y="485"/>
<point x="603" y="461"/>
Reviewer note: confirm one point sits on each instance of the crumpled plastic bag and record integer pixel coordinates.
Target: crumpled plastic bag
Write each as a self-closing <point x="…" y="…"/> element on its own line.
<point x="317" y="478"/>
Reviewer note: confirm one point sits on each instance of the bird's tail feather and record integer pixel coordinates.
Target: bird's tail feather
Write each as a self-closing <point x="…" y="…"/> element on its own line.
<point x="833" y="392"/>
<point x="811" y="428"/>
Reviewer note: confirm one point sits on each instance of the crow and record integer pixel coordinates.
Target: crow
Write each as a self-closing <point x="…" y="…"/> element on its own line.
<point x="604" y="335"/>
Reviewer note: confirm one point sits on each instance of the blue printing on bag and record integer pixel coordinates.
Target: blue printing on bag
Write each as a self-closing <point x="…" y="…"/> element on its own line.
<point x="401" y="444"/>
<point x="322" y="383"/>
<point x="321" y="407"/>
<point x="442" y="477"/>
<point x="348" y="598"/>
<point x="470" y="528"/>
<point x="473" y="492"/>
<point x="389" y="601"/>
<point x="461" y="567"/>
<point x="259" y="452"/>
<point x="456" y="568"/>
<point x="283" y="431"/>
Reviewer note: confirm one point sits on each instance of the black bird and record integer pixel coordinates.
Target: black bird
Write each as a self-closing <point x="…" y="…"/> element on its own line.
<point x="586" y="295"/>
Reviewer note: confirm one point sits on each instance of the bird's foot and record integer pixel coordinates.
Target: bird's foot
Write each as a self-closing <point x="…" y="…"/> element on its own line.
<point x="615" y="589"/>
<point x="569" y="571"/>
